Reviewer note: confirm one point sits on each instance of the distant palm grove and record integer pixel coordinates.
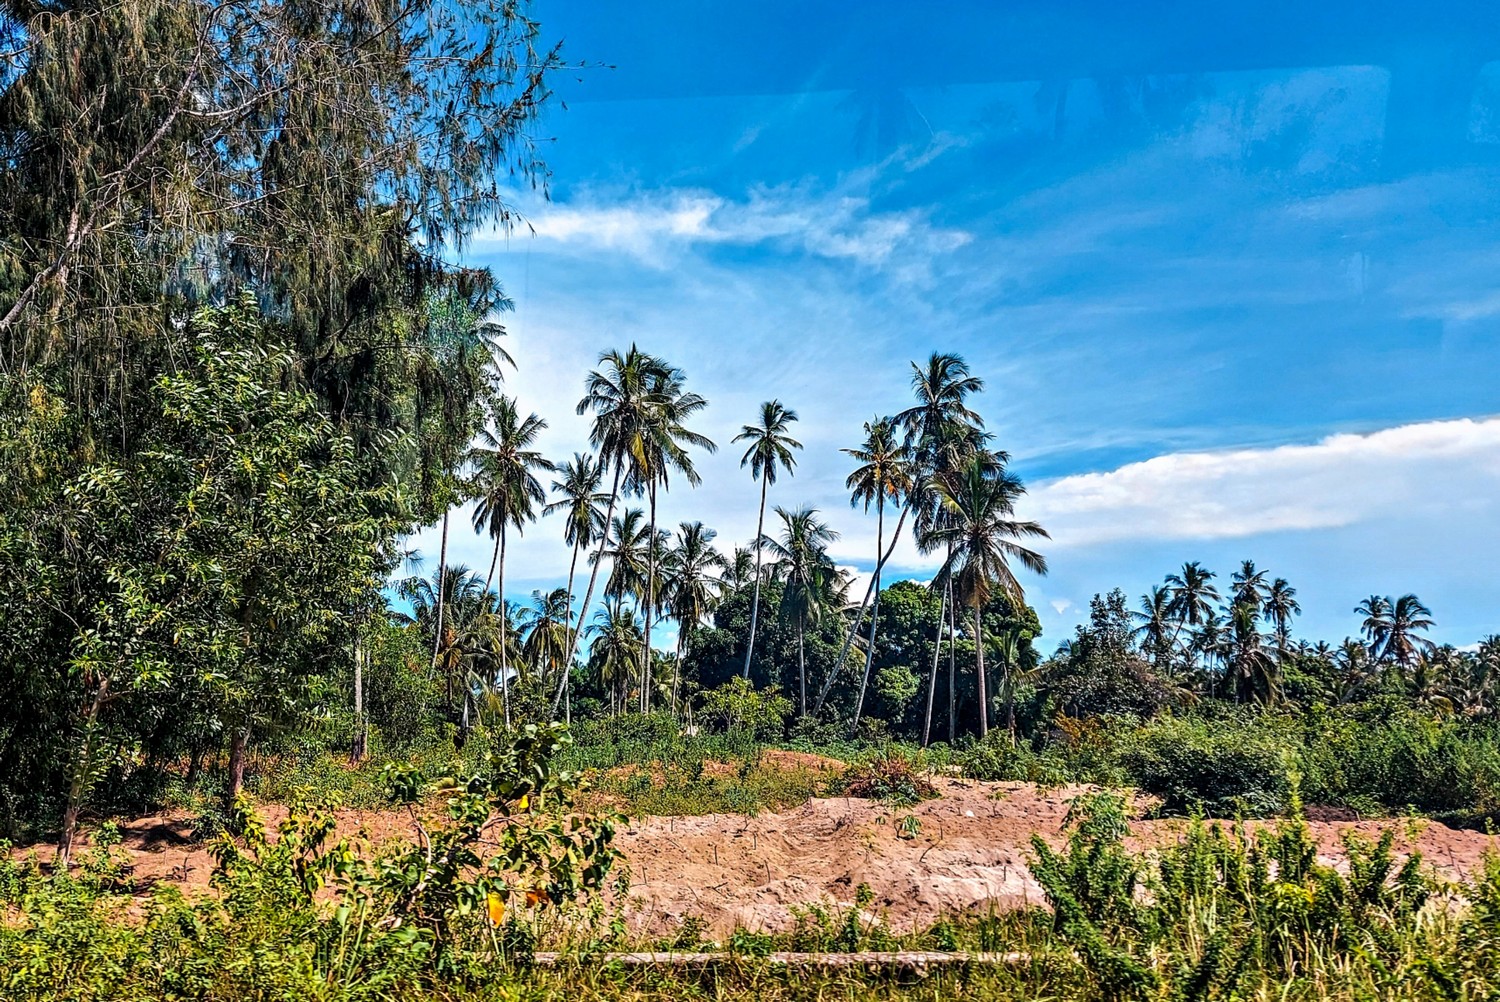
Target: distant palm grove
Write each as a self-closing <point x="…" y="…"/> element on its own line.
<point x="241" y="363"/>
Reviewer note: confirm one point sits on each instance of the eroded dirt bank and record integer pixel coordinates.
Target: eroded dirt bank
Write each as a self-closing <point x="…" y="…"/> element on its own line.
<point x="966" y="851"/>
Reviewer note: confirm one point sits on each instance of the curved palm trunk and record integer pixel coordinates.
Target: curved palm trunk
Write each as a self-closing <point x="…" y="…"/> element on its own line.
<point x="494" y="560"/>
<point x="504" y="653"/>
<point x="437" y="634"/>
<point x="588" y="596"/>
<point x="567" y="671"/>
<point x="864" y="682"/>
<point x="984" y="699"/>
<point x="859" y="617"/>
<point x="937" y="651"/>
<point x="760" y="528"/>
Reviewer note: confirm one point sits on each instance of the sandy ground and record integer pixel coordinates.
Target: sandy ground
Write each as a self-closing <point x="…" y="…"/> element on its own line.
<point x="736" y="871"/>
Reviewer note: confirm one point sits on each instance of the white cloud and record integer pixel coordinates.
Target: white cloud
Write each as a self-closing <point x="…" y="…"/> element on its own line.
<point x="1428" y="468"/>
<point x="655" y="227"/>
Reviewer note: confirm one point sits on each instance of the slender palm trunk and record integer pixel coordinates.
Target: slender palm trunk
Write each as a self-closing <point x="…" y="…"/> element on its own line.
<point x="859" y="617"/>
<point x="952" y="667"/>
<point x="588" y="596"/>
<point x="1008" y="673"/>
<point x="760" y="528"/>
<point x="564" y="682"/>
<point x="361" y="728"/>
<point x="494" y="560"/>
<point x="650" y="604"/>
<point x="802" y="663"/>
<point x="504" y="653"/>
<point x="984" y="697"/>
<point x="677" y="669"/>
<point x="937" y="651"/>
<point x="864" y="682"/>
<point x="437" y="635"/>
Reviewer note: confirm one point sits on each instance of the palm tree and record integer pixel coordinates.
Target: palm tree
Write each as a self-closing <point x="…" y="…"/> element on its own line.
<point x="1243" y="653"/>
<point x="739" y="569"/>
<point x="802" y="561"/>
<point x="1351" y="662"/>
<point x="1280" y="605"/>
<point x="942" y="432"/>
<point x="615" y="651"/>
<point x="1249" y="585"/>
<point x="979" y="501"/>
<point x="622" y="394"/>
<point x="770" y="450"/>
<point x="506" y="470"/>
<point x="582" y="505"/>
<point x="1377" y="623"/>
<point x="625" y="546"/>
<point x="443" y="604"/>
<point x="546" y="623"/>
<point x="1192" y="594"/>
<point x="1155" y="617"/>
<point x="1408" y="617"/>
<point x="884" y="475"/>
<point x="692" y="570"/>
<point x="663" y="450"/>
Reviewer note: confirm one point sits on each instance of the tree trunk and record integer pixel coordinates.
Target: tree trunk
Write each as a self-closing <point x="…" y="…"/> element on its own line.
<point x="1010" y="700"/>
<point x="650" y="603"/>
<point x="588" y="596"/>
<point x="563" y="683"/>
<point x="859" y="617"/>
<point x="237" y="745"/>
<point x="952" y="667"/>
<point x="504" y="653"/>
<point x="361" y="731"/>
<point x="760" y="528"/>
<point x="937" y="651"/>
<point x="984" y="704"/>
<point x="78" y="786"/>
<point x="802" y="662"/>
<point x="437" y="634"/>
<point x="864" y="682"/>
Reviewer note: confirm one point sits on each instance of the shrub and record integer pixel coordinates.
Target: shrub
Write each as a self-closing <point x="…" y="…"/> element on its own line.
<point x="889" y="777"/>
<point x="1223" y="768"/>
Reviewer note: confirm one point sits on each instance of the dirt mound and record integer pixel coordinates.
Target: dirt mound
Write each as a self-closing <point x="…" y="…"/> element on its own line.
<point x="964" y="852"/>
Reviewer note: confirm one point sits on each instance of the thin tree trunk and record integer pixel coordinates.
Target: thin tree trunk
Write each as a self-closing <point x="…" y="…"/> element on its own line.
<point x="650" y="603"/>
<point x="864" y="682"/>
<point x="504" y="653"/>
<point x="952" y="667"/>
<point x="859" y="617"/>
<point x="802" y="662"/>
<point x="1007" y="670"/>
<point x="984" y="699"/>
<point x="588" y="596"/>
<point x="760" y="528"/>
<point x="361" y="731"/>
<point x="437" y="635"/>
<point x="562" y="683"/>
<point x="937" y="651"/>
<point x="494" y="560"/>
<point x="79" y="784"/>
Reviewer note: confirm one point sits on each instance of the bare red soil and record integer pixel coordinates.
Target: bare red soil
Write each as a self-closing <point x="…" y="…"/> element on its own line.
<point x="730" y="871"/>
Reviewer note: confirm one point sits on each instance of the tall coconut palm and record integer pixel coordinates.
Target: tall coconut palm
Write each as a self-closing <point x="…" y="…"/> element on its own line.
<point x="615" y="652"/>
<point x="1193" y="595"/>
<point x="980" y="526"/>
<point x="622" y="393"/>
<point x="442" y="604"/>
<point x="802" y="561"/>
<point x="1279" y="606"/>
<point x="626" y="547"/>
<point x="882" y="477"/>
<point x="1408" y="617"/>
<point x="769" y="451"/>
<point x="739" y="569"/>
<point x="693" y="569"/>
<point x="581" y="504"/>
<point x="1242" y="649"/>
<point x="1248" y="586"/>
<point x="1155" y="619"/>
<point x="663" y="451"/>
<point x="1377" y="623"/>
<point x="545" y="624"/>
<point x="505" y="478"/>
<point x="943" y="432"/>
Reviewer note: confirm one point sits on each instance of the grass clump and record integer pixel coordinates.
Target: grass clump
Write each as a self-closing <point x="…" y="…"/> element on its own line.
<point x="890" y="777"/>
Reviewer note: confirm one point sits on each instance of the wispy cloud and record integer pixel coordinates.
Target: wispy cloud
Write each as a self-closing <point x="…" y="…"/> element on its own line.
<point x="658" y="227"/>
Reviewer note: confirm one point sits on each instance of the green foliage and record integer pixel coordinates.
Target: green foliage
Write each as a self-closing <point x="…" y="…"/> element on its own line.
<point x="890" y="777"/>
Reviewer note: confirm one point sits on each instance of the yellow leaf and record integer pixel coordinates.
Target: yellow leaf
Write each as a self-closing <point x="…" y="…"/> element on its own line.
<point x="523" y="803"/>
<point x="497" y="908"/>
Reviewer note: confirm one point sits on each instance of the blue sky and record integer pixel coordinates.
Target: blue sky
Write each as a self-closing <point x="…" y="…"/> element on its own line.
<point x="1231" y="273"/>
